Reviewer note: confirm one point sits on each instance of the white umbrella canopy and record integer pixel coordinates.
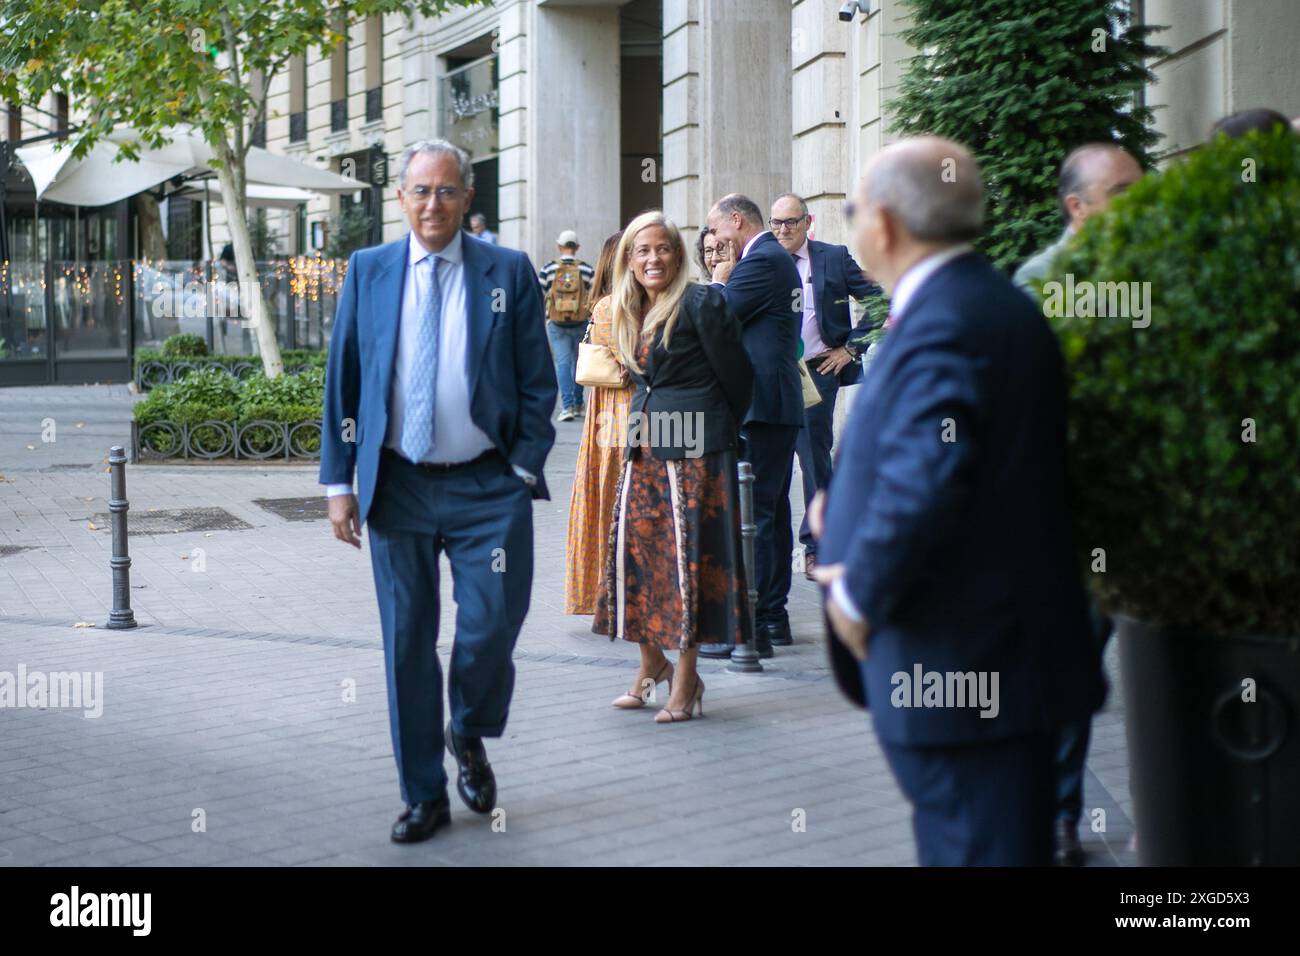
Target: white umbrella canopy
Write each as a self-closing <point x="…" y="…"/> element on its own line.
<point x="259" y="196"/>
<point x="97" y="179"/>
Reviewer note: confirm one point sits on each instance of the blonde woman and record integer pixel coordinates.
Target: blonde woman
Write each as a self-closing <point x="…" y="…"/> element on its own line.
<point x="673" y="572"/>
<point x="600" y="459"/>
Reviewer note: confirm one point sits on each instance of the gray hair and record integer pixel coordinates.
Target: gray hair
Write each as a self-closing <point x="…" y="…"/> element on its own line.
<point x="436" y="147"/>
<point x="736" y="203"/>
<point x="932" y="186"/>
<point x="1077" y="172"/>
<point x="803" y="206"/>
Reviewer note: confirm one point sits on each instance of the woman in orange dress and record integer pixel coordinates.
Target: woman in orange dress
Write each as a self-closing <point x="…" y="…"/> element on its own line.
<point x="600" y="459"/>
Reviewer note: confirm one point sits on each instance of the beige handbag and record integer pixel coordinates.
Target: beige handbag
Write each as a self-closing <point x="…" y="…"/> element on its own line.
<point x="811" y="396"/>
<point x="597" y="366"/>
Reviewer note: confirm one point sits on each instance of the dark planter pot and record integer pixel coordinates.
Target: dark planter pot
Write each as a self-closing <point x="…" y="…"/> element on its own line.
<point x="1216" y="780"/>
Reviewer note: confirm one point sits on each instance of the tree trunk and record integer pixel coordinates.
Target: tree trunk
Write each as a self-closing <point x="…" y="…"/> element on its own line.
<point x="153" y="245"/>
<point x="250" y="290"/>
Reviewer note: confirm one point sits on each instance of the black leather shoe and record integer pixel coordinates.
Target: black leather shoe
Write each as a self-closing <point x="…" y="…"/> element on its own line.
<point x="716" y="651"/>
<point x="779" y="634"/>
<point x="809" y="566"/>
<point x="421" y="820"/>
<point x="763" y="642"/>
<point x="1069" y="851"/>
<point x="475" y="783"/>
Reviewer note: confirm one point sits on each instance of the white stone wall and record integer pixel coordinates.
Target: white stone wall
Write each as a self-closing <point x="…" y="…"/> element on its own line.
<point x="571" y="154"/>
<point x="726" y="104"/>
<point x="1224" y="56"/>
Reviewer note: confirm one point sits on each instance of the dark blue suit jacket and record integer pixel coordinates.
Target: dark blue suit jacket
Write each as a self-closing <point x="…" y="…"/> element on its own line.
<point x="763" y="291"/>
<point x="836" y="279"/>
<point x="512" y="380"/>
<point x="959" y="552"/>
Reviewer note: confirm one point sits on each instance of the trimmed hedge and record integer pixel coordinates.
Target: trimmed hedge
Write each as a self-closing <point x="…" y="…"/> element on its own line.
<point x="211" y="394"/>
<point x="1184" y="434"/>
<point x="184" y="346"/>
<point x="291" y="357"/>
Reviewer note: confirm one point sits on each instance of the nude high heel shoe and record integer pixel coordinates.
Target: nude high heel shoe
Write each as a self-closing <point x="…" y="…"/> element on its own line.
<point x="634" y="701"/>
<point x="667" y="716"/>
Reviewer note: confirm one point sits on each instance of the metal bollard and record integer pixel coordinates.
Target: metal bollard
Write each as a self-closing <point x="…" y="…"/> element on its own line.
<point x="120" y="618"/>
<point x="744" y="659"/>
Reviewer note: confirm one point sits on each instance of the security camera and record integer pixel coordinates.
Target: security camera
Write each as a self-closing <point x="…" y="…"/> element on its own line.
<point x="852" y="8"/>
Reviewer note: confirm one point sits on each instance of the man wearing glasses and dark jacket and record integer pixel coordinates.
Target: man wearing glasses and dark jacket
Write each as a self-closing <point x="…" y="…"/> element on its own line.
<point x="830" y="278"/>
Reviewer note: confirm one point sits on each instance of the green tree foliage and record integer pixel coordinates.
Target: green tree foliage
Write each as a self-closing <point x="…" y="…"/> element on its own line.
<point x="348" y="231"/>
<point x="1020" y="84"/>
<point x="1183" y="431"/>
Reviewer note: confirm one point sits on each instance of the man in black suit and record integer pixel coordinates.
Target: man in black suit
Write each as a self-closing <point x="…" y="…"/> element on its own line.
<point x="830" y="277"/>
<point x="947" y="544"/>
<point x="762" y="288"/>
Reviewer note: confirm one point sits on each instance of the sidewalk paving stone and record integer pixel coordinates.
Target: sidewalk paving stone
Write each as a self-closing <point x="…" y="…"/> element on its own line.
<point x="230" y="698"/>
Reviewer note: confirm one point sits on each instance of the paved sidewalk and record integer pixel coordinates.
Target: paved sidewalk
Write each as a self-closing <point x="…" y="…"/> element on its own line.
<point x="252" y="698"/>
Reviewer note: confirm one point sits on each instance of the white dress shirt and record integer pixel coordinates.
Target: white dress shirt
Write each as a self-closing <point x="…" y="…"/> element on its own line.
<point x="908" y="285"/>
<point x="456" y="437"/>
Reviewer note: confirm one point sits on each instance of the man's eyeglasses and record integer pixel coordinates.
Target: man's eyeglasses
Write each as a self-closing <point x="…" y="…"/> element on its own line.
<point x="779" y="224"/>
<point x="443" y="193"/>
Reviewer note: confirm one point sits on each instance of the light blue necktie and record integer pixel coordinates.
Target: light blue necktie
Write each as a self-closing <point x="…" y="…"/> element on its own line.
<point x="417" y="426"/>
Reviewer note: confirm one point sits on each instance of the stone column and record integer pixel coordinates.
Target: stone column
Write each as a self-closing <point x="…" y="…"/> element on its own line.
<point x="566" y="175"/>
<point x="1224" y="56"/>
<point x="821" y="113"/>
<point x="512" y="133"/>
<point x="726" y="104"/>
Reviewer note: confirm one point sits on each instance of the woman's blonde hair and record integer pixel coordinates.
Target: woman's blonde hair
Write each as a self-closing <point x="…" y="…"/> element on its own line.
<point x="627" y="297"/>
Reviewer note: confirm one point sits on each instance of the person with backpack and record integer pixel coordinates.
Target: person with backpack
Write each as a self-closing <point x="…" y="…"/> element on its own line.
<point x="566" y="289"/>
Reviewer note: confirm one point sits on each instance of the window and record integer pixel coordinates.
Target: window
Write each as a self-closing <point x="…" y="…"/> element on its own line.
<point x="298" y="99"/>
<point x="374" y="68"/>
<point x="339" y="82"/>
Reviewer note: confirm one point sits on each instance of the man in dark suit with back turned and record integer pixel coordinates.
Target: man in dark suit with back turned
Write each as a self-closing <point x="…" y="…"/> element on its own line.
<point x="946" y="541"/>
<point x="435" y="399"/>
<point x="763" y="289"/>
<point x="830" y="278"/>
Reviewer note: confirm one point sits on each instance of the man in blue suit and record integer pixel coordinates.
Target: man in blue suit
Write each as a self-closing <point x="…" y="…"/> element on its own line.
<point x="763" y="290"/>
<point x="830" y="278"/>
<point x="436" y="399"/>
<point x="946" y="541"/>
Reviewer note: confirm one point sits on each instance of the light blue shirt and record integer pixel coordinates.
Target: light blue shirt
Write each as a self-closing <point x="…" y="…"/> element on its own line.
<point x="456" y="437"/>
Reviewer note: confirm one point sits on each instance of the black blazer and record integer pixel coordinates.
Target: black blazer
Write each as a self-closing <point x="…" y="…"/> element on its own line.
<point x="836" y="278"/>
<point x="704" y="376"/>
<point x="764" y="293"/>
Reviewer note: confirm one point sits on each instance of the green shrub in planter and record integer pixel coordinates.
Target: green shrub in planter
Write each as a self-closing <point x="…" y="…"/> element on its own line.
<point x="210" y="394"/>
<point x="1185" y="434"/>
<point x="184" y="346"/>
<point x="260" y="439"/>
<point x="293" y="359"/>
<point x="305" y="388"/>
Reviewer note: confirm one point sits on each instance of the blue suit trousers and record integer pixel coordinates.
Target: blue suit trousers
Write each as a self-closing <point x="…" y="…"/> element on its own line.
<point x="982" y="804"/>
<point x="482" y="517"/>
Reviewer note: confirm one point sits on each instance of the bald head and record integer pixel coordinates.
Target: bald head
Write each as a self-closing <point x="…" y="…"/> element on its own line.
<point x="917" y="197"/>
<point x="1091" y="176"/>
<point x="932" y="186"/>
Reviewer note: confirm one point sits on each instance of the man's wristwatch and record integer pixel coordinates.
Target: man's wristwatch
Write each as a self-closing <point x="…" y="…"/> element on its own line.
<point x="853" y="350"/>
